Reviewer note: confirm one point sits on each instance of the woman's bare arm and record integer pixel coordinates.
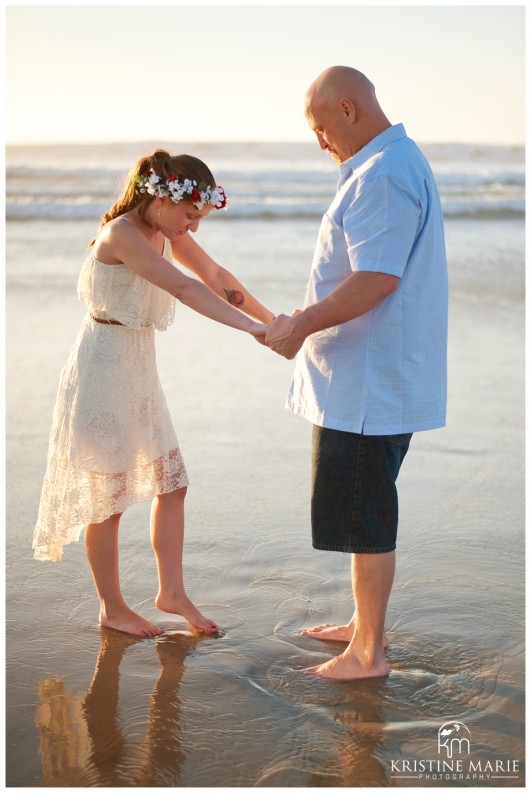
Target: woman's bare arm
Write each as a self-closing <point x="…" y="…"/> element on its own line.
<point x="132" y="248"/>
<point x="188" y="253"/>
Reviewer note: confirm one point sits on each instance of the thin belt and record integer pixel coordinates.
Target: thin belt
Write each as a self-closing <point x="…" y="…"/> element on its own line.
<point x="107" y="321"/>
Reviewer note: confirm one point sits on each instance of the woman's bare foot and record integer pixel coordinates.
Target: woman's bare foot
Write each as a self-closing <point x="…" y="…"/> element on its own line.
<point x="348" y="666"/>
<point x="127" y="621"/>
<point x="183" y="606"/>
<point x="335" y="633"/>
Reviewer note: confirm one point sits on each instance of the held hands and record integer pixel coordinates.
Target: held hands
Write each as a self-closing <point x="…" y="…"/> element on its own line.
<point x="259" y="330"/>
<point x="284" y="337"/>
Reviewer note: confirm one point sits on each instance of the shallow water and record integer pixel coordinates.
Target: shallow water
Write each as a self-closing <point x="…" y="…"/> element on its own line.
<point x="94" y="708"/>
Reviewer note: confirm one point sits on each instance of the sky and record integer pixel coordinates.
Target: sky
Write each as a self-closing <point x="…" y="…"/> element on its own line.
<point x="116" y="73"/>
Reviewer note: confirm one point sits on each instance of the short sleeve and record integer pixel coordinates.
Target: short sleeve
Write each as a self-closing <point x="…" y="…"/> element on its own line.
<point x="381" y="225"/>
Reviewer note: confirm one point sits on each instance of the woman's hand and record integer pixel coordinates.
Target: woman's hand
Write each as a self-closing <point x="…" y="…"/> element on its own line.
<point x="259" y="330"/>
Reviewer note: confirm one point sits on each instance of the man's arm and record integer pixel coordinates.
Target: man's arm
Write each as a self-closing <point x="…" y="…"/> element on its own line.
<point x="360" y="292"/>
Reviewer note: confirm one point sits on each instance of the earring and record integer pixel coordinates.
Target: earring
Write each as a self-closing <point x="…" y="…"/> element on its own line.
<point x="159" y="210"/>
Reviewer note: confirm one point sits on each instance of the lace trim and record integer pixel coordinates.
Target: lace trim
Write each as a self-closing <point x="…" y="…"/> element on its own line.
<point x="92" y="497"/>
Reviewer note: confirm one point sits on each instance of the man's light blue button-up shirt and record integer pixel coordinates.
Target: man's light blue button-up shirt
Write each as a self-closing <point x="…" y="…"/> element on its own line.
<point x="384" y="372"/>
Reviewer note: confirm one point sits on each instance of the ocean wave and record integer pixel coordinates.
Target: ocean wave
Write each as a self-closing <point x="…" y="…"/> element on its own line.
<point x="264" y="181"/>
<point x="261" y="211"/>
<point x="486" y="211"/>
<point x="55" y="211"/>
<point x="296" y="177"/>
<point x="282" y="196"/>
<point x="479" y="179"/>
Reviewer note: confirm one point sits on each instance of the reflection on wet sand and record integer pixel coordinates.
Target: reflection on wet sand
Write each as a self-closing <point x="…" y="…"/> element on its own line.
<point x="359" y="743"/>
<point x="82" y="743"/>
<point x="361" y="746"/>
<point x="65" y="742"/>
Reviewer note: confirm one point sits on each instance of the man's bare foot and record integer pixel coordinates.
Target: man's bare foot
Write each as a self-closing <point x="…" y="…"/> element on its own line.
<point x="348" y="667"/>
<point x="183" y="606"/>
<point x="330" y="632"/>
<point x="335" y="633"/>
<point x="127" y="621"/>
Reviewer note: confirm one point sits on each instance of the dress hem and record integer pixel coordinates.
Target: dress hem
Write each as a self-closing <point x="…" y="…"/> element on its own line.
<point x="54" y="551"/>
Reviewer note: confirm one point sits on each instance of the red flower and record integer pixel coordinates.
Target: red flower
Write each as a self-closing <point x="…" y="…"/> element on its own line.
<point x="195" y="196"/>
<point x="172" y="178"/>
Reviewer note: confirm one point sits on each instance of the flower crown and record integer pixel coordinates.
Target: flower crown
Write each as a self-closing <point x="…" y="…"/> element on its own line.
<point x="150" y="182"/>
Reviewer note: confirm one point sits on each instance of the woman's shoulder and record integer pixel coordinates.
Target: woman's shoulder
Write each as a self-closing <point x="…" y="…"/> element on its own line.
<point x="115" y="231"/>
<point x="119" y="227"/>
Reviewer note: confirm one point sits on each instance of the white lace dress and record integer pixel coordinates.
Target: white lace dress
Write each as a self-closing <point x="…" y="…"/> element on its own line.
<point x="112" y="441"/>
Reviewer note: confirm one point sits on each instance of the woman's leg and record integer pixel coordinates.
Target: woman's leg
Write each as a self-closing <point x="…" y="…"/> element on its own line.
<point x="101" y="543"/>
<point x="167" y="538"/>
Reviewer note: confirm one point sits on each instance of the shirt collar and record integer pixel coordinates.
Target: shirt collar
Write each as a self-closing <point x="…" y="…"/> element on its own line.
<point x="395" y="132"/>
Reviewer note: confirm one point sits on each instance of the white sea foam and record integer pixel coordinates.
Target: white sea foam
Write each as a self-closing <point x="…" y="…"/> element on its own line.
<point x="263" y="180"/>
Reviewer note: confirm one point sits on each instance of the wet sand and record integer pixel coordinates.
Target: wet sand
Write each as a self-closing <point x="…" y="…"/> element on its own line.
<point x="87" y="707"/>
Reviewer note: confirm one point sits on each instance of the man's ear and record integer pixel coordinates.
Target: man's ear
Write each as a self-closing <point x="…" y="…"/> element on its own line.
<point x="348" y="109"/>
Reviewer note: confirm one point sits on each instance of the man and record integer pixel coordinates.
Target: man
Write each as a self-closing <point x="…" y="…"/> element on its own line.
<point x="373" y="332"/>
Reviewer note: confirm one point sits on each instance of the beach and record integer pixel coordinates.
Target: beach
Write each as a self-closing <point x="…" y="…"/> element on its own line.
<point x="89" y="707"/>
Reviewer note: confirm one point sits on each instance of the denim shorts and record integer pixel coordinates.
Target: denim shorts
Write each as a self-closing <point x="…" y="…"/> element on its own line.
<point x="354" y="497"/>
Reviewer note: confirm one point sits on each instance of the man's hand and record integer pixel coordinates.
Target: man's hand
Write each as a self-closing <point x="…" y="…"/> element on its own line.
<point x="359" y="293"/>
<point x="284" y="336"/>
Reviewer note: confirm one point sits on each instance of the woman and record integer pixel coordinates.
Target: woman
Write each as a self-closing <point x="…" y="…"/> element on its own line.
<point x="112" y="441"/>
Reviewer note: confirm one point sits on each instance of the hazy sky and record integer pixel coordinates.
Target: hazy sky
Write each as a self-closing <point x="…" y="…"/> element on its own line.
<point x="239" y="72"/>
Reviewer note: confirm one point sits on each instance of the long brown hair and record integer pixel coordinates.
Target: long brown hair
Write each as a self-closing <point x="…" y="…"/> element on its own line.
<point x="164" y="165"/>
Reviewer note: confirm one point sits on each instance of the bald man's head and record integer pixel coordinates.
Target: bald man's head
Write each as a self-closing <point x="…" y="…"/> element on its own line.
<point x="343" y="100"/>
<point x="338" y="82"/>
